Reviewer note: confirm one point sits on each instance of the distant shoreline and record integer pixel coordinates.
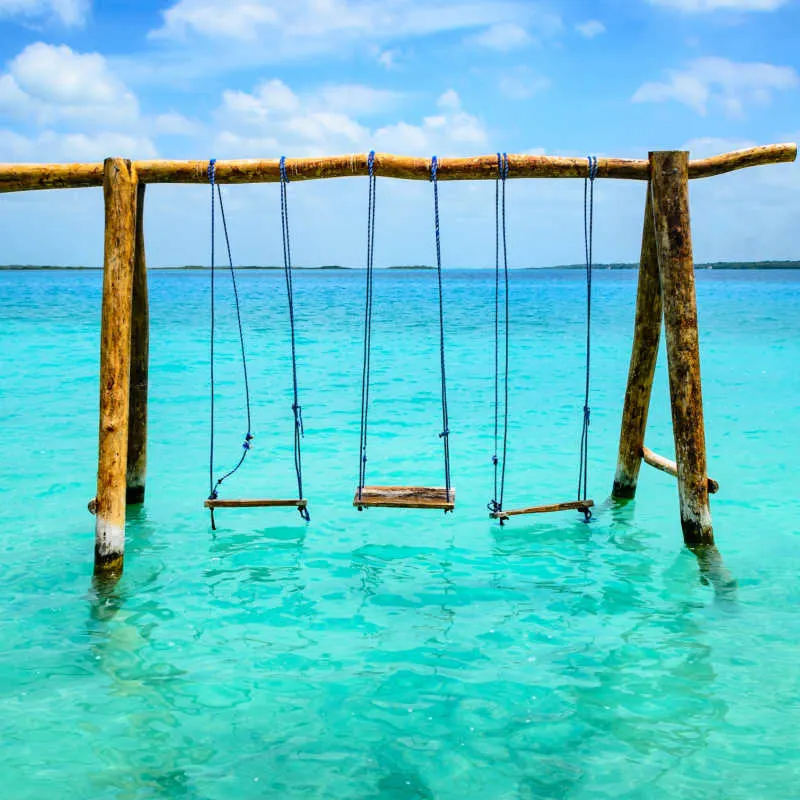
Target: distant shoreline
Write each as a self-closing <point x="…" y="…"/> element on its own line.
<point x="714" y="265"/>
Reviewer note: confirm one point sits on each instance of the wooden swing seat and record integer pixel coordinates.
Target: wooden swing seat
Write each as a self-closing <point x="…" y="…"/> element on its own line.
<point x="254" y="503"/>
<point x="405" y="497"/>
<point x="574" y="505"/>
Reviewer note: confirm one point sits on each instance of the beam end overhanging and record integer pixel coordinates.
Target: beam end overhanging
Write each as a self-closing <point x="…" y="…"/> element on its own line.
<point x="24" y="177"/>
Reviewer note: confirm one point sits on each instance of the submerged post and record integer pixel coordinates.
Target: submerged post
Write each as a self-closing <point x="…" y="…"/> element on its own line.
<point x="119" y="192"/>
<point x="140" y="346"/>
<point x="670" y="198"/>
<point x="646" y="336"/>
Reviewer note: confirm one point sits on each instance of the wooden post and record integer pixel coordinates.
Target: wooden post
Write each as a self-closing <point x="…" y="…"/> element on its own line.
<point x="119" y="192"/>
<point x="140" y="345"/>
<point x="670" y="197"/>
<point x="646" y="335"/>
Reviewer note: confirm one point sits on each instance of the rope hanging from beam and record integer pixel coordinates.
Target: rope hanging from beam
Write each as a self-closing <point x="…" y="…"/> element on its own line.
<point x="500" y="243"/>
<point x="588" y="237"/>
<point x="445" y="434"/>
<point x="247" y="443"/>
<point x="297" y="411"/>
<point x="365" y="370"/>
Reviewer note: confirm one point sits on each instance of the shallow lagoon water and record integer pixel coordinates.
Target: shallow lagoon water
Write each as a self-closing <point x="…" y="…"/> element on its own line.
<point x="398" y="654"/>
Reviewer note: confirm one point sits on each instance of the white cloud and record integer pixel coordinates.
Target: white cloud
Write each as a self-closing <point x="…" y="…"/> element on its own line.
<point x="522" y="83"/>
<point x="175" y="124"/>
<point x="284" y="30"/>
<point x="80" y="109"/>
<point x="238" y="20"/>
<point x="717" y="81"/>
<point x="51" y="146"/>
<point x="47" y="83"/>
<point x="504" y="37"/>
<point x="68" y="12"/>
<point x="700" y="6"/>
<point x="449" y="101"/>
<point x="388" y="58"/>
<point x="356" y="99"/>
<point x="590" y="28"/>
<point x="452" y="131"/>
<point x="317" y="115"/>
<point x="273" y="119"/>
<point x="272" y="109"/>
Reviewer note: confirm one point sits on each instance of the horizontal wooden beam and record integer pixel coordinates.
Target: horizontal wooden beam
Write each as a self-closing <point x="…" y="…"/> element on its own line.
<point x="29" y="177"/>
<point x="388" y="166"/>
<point x="671" y="468"/>
<point x="741" y="159"/>
<point x="21" y="177"/>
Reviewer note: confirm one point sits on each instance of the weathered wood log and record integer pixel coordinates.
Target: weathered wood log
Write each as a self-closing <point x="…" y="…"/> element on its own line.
<point x="573" y="505"/>
<point x="140" y="359"/>
<point x="670" y="467"/>
<point x="26" y="177"/>
<point x="21" y="177"/>
<point x="741" y="159"/>
<point x="254" y="503"/>
<point x="477" y="168"/>
<point x="119" y="191"/>
<point x="405" y="497"/>
<point x="670" y="194"/>
<point x="386" y="165"/>
<point x="644" y="354"/>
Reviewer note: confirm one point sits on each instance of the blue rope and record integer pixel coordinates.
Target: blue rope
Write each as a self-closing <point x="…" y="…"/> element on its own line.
<point x="212" y="172"/>
<point x="246" y="445"/>
<point x="365" y="372"/>
<point x="445" y="434"/>
<point x="287" y="271"/>
<point x="499" y="463"/>
<point x="588" y="235"/>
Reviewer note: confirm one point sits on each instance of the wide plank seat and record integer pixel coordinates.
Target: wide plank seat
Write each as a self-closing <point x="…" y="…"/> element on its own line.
<point x="405" y="497"/>
<point x="574" y="505"/>
<point x="254" y="503"/>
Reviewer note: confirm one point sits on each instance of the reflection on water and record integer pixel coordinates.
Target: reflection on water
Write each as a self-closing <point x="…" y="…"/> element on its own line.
<point x="142" y="689"/>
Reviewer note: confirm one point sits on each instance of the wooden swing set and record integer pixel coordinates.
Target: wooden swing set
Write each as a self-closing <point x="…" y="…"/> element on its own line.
<point x="666" y="291"/>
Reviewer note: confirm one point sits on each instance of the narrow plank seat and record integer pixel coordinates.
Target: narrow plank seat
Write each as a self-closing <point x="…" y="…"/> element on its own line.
<point x="254" y="503"/>
<point x="574" y="505"/>
<point x="405" y="497"/>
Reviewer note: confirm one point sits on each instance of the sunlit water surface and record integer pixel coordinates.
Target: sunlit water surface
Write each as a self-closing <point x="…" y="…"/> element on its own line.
<point x="398" y="654"/>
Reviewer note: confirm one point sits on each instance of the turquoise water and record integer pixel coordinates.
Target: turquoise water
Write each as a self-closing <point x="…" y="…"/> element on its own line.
<point x="398" y="654"/>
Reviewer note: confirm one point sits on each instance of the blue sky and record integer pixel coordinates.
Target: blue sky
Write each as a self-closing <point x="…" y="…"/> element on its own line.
<point x="262" y="78"/>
